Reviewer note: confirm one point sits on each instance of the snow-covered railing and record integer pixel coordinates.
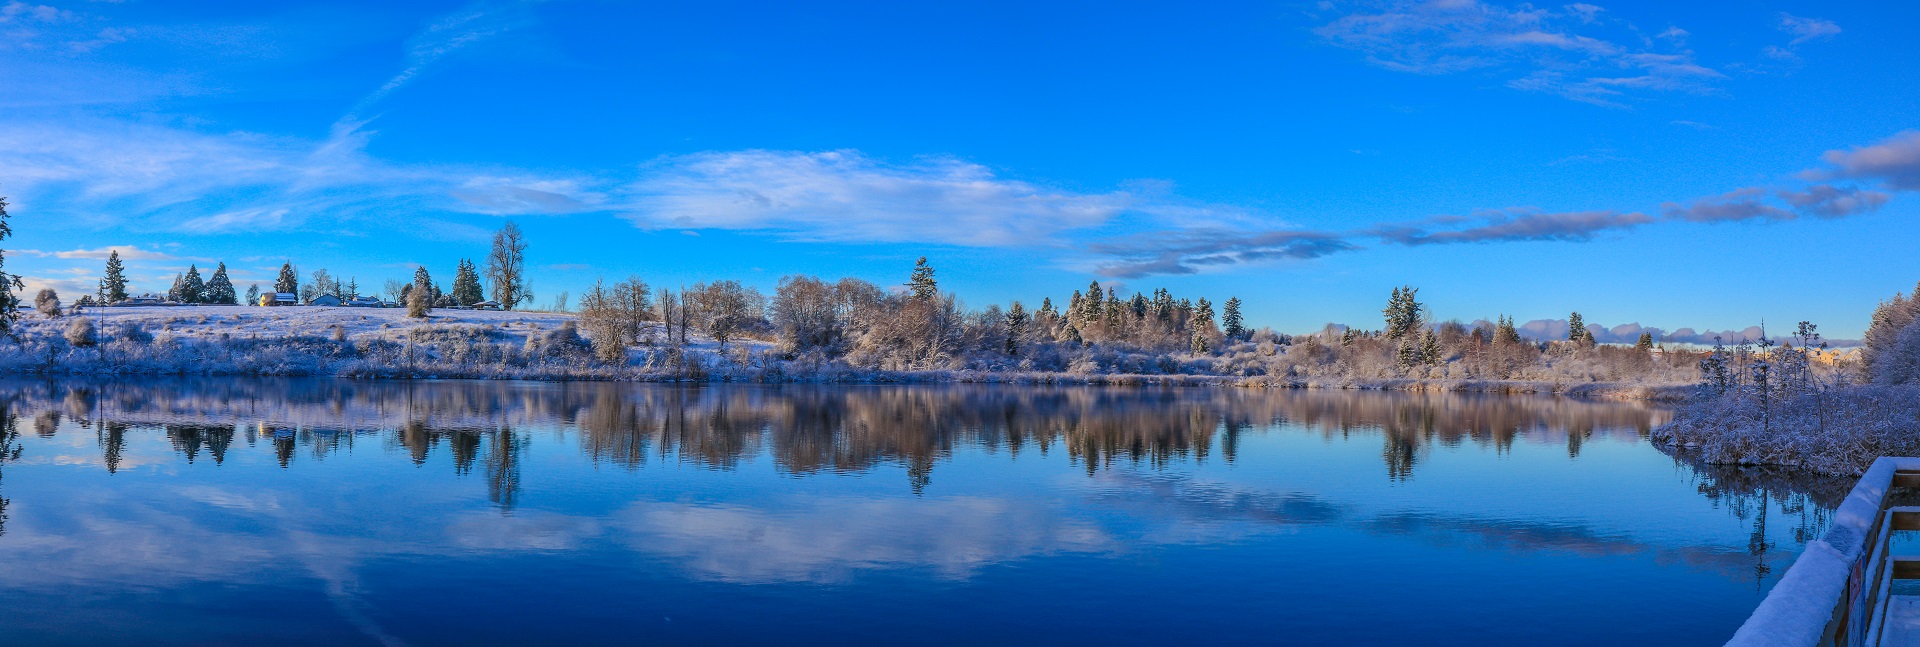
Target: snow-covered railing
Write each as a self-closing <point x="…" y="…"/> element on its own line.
<point x="1834" y="594"/>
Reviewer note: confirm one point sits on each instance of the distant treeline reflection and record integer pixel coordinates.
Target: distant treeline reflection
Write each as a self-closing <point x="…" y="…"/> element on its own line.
<point x="804" y="428"/>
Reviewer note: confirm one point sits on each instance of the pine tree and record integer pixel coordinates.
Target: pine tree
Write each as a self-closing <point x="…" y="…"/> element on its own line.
<point x="1016" y="323"/>
<point x="1200" y="322"/>
<point x="178" y="292"/>
<point x="1093" y="304"/>
<point x="113" y="288"/>
<point x="466" y="284"/>
<point x="921" y="284"/>
<point x="1236" y="328"/>
<point x="1430" y="348"/>
<point x="9" y="304"/>
<point x="1403" y="312"/>
<point x="289" y="280"/>
<point x="1046" y="307"/>
<point x="1504" y="333"/>
<point x="193" y="289"/>
<point x="219" y="288"/>
<point x="253" y="294"/>
<point x="420" y="279"/>
<point x="1576" y="328"/>
<point x="1646" y="341"/>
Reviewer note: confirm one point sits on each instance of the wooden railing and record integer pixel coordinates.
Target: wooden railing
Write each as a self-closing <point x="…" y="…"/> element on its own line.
<point x="1838" y="593"/>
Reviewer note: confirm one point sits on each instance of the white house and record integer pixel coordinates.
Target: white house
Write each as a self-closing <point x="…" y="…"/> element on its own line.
<point x="364" y="302"/>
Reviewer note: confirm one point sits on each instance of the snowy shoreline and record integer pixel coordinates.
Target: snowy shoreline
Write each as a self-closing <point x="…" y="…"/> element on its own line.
<point x="382" y="343"/>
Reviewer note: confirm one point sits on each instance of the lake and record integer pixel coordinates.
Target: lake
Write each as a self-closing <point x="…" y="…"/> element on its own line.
<point x="241" y="511"/>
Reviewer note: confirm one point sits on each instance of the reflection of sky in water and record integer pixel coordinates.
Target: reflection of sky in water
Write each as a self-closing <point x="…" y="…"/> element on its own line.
<point x="493" y="512"/>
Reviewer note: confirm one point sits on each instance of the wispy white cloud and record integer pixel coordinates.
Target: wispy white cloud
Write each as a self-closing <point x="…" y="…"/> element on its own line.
<point x="1577" y="51"/>
<point x="1807" y="29"/>
<point x="844" y="196"/>
<point x="448" y="34"/>
<point x="127" y="253"/>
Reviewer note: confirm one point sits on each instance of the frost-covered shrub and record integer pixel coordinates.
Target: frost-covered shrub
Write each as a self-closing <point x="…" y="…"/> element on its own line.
<point x="47" y="302"/>
<point x="133" y="333"/>
<point x="80" y="333"/>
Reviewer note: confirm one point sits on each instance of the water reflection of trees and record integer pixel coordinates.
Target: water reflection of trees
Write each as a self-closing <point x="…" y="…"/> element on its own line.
<point x="1765" y="497"/>
<point x="804" y="429"/>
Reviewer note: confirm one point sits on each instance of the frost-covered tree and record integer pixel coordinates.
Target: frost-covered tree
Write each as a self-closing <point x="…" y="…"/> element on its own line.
<point x="177" y="293"/>
<point x="1016" y="326"/>
<point x="1236" y="328"/>
<point x="9" y="304"/>
<point x="1403" y="312"/>
<point x="419" y="296"/>
<point x="289" y="280"/>
<point x="506" y="267"/>
<point x="193" y="289"/>
<point x="805" y="312"/>
<point x="921" y="283"/>
<point x="1645" y="343"/>
<point x="253" y="294"/>
<point x="113" y="287"/>
<point x="220" y="288"/>
<point x="466" y="284"/>
<point x="1504" y="333"/>
<point x="1887" y="356"/>
<point x="1577" y="331"/>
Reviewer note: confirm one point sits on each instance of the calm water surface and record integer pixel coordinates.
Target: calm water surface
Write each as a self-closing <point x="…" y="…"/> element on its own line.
<point x="332" y="512"/>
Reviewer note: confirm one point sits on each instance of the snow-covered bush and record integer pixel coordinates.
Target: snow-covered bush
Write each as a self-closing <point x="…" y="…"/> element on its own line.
<point x="47" y="302"/>
<point x="80" y="333"/>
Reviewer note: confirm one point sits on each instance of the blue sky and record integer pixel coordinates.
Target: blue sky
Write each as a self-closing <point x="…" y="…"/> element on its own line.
<point x="1704" y="166"/>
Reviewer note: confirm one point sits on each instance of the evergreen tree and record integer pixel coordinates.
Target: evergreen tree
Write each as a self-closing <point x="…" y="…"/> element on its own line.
<point x="177" y="293"/>
<point x="466" y="284"/>
<point x="289" y="280"/>
<point x="1504" y="333"/>
<point x="193" y="289"/>
<point x="1016" y="323"/>
<point x="422" y="279"/>
<point x="253" y="294"/>
<point x="113" y="288"/>
<point x="1577" y="329"/>
<point x="1046" y="307"/>
<point x="1090" y="307"/>
<point x="220" y="288"/>
<point x="9" y="304"/>
<point x="1646" y="341"/>
<point x="921" y="283"/>
<point x="1236" y="328"/>
<point x="1200" y="322"/>
<point x="1403" y="312"/>
<point x="1430" y="348"/>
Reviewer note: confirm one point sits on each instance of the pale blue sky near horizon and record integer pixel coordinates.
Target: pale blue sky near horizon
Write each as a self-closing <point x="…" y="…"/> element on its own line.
<point x="1706" y="166"/>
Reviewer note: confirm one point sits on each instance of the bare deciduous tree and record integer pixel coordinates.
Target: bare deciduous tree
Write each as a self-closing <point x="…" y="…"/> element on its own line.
<point x="506" y="267"/>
